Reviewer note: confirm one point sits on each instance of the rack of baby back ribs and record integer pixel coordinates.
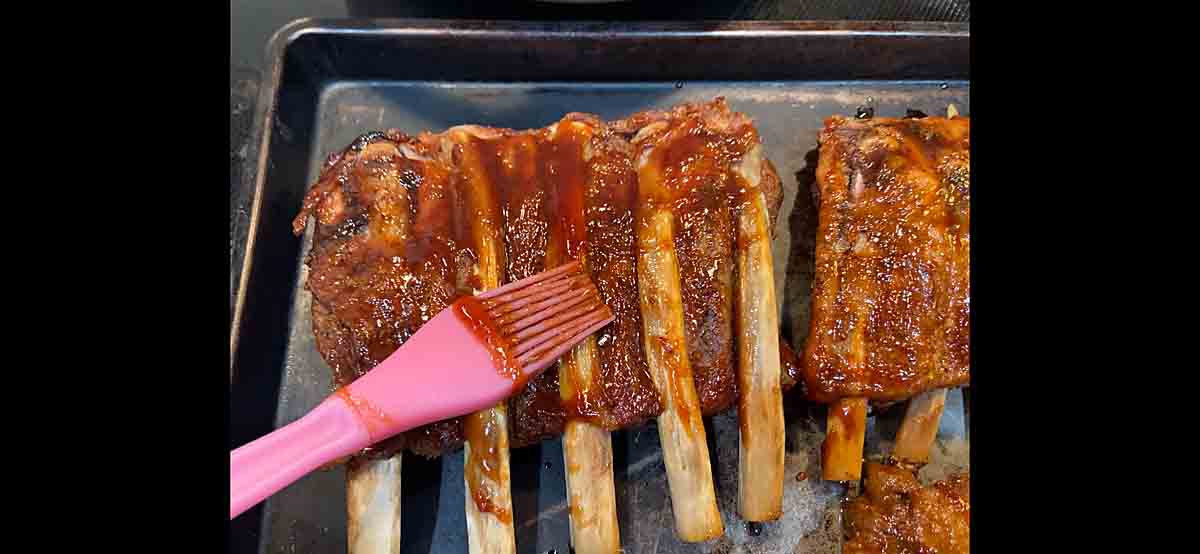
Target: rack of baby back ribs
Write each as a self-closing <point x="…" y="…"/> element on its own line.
<point x="672" y="214"/>
<point x="890" y="317"/>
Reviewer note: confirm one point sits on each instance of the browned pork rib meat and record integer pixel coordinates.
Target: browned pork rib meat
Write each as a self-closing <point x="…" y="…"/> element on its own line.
<point x="697" y="149"/>
<point x="891" y="295"/>
<point x="896" y="515"/>
<point x="385" y="256"/>
<point x="391" y="248"/>
<point x="594" y="190"/>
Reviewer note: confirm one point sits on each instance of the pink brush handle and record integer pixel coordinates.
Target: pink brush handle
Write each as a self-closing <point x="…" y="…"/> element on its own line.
<point x="444" y="370"/>
<point x="263" y="467"/>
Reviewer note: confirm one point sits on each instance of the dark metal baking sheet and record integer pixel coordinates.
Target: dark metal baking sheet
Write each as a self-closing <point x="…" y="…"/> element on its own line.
<point x="331" y="81"/>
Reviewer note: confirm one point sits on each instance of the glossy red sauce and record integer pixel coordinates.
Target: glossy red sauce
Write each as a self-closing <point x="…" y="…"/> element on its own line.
<point x="377" y="422"/>
<point x="475" y="316"/>
<point x="482" y="467"/>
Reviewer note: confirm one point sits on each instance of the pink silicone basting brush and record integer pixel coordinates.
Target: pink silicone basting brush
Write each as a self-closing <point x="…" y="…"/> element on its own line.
<point x="472" y="355"/>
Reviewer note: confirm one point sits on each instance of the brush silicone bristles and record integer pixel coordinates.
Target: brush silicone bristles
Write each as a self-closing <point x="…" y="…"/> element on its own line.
<point x="472" y="355"/>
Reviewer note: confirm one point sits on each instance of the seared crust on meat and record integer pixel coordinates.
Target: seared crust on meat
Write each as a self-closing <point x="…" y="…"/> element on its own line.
<point x="390" y="251"/>
<point x="896" y="515"/>
<point x="891" y="296"/>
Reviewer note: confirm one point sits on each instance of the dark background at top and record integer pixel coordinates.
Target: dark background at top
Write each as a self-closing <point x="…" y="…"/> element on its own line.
<point x="252" y="22"/>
